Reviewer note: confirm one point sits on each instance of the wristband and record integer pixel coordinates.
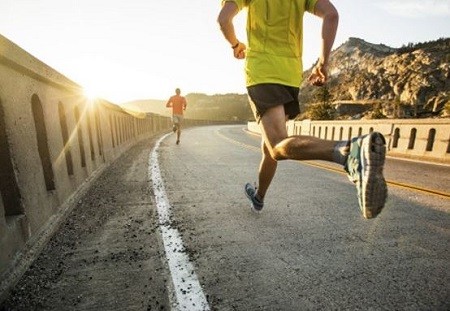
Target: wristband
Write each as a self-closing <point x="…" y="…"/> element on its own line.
<point x="235" y="46"/>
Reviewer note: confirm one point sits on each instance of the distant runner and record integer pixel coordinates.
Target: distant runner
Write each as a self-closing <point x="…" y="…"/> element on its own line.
<point x="178" y="104"/>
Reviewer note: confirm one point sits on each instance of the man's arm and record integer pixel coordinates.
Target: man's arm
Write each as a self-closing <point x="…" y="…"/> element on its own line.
<point x="169" y="103"/>
<point x="225" y="20"/>
<point x="184" y="104"/>
<point x="330" y="20"/>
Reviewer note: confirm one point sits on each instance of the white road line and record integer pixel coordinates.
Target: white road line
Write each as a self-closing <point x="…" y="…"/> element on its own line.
<point x="188" y="292"/>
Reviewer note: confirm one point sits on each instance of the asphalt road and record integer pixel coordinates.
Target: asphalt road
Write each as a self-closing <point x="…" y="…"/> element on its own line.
<point x="310" y="248"/>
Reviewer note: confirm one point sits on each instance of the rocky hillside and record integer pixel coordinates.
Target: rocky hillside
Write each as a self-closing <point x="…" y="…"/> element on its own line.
<point x="416" y="77"/>
<point x="227" y="107"/>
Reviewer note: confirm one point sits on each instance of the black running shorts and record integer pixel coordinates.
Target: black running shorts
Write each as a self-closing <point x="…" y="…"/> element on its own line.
<point x="268" y="95"/>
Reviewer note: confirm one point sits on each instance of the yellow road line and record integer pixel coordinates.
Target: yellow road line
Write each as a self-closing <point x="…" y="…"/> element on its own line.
<point x="237" y="142"/>
<point x="333" y="169"/>
<point x="390" y="182"/>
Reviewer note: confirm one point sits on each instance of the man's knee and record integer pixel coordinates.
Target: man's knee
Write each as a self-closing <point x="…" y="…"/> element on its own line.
<point x="278" y="154"/>
<point x="281" y="150"/>
<point x="275" y="153"/>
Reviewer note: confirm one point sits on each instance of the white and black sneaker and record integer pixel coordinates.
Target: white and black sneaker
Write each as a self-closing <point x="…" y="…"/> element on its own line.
<point x="250" y="192"/>
<point x="365" y="168"/>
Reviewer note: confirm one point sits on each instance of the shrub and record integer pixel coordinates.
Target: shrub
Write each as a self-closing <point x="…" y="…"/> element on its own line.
<point x="321" y="111"/>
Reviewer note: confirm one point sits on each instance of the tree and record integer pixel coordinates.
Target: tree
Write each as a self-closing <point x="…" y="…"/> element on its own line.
<point x="397" y="106"/>
<point x="323" y="110"/>
<point x="322" y="95"/>
<point x="446" y="110"/>
<point x="377" y="113"/>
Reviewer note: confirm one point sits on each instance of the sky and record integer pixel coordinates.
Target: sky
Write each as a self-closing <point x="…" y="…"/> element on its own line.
<point x="144" y="49"/>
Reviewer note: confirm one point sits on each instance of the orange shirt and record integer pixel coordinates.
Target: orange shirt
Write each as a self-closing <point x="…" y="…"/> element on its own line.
<point x="178" y="104"/>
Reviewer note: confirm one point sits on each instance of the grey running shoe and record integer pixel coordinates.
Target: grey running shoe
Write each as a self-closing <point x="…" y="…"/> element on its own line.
<point x="365" y="168"/>
<point x="250" y="192"/>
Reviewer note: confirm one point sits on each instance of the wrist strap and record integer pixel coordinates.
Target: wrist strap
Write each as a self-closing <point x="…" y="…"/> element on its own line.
<point x="235" y="46"/>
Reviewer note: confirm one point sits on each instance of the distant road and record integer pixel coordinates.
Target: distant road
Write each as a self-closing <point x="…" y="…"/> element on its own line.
<point x="310" y="249"/>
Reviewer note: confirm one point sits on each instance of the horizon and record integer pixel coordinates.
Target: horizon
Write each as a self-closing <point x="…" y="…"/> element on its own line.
<point x="305" y="69"/>
<point x="124" y="52"/>
<point x="244" y="93"/>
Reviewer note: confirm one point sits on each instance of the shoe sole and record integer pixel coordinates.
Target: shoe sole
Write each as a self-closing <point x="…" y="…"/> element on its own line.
<point x="373" y="185"/>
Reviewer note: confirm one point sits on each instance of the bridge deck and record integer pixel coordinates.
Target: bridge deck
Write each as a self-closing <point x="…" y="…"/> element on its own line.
<point x="309" y="249"/>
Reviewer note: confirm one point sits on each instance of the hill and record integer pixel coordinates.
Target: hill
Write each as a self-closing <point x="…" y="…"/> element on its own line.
<point x="227" y="107"/>
<point x="148" y="106"/>
<point x="415" y="77"/>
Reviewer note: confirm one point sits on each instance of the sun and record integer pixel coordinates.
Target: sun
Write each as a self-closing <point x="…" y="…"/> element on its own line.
<point x="90" y="93"/>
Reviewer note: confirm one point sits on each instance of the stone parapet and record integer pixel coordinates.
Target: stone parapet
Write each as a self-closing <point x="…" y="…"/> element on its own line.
<point x="418" y="139"/>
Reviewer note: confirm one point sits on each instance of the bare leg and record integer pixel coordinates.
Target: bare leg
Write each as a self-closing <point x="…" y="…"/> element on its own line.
<point x="304" y="148"/>
<point x="178" y="131"/>
<point x="278" y="146"/>
<point x="282" y="147"/>
<point x="267" y="169"/>
<point x="273" y="127"/>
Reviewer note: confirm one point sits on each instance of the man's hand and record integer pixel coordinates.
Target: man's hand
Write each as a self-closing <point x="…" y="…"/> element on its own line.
<point x="330" y="20"/>
<point x="239" y="51"/>
<point x="318" y="75"/>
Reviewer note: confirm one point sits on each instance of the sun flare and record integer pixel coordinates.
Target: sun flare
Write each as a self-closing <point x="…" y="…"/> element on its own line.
<point x="90" y="93"/>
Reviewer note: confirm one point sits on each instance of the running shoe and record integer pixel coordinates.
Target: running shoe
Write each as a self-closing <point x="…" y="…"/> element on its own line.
<point x="365" y="168"/>
<point x="250" y="192"/>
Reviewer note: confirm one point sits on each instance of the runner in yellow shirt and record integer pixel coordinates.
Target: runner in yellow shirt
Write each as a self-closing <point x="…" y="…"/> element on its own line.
<point x="273" y="68"/>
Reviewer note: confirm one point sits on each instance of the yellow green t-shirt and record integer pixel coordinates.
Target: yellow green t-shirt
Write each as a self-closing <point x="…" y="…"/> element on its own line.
<point x="275" y="40"/>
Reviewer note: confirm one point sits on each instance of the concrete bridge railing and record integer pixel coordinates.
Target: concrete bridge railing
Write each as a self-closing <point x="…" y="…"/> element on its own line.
<point x="53" y="143"/>
<point x="418" y="139"/>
